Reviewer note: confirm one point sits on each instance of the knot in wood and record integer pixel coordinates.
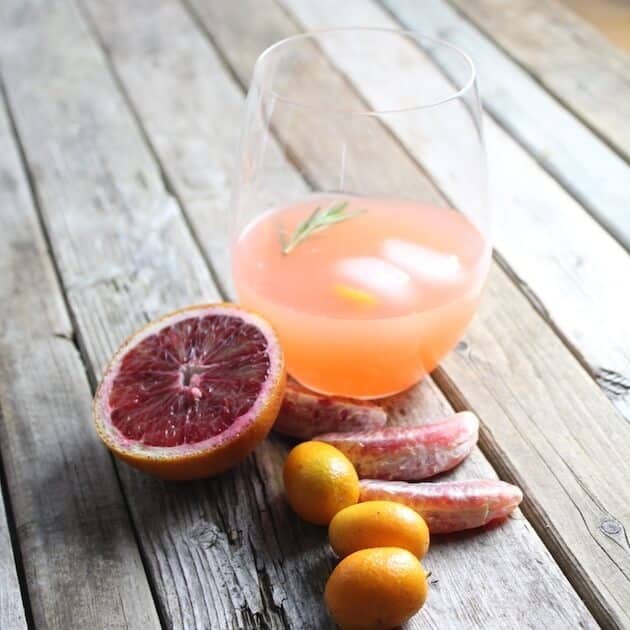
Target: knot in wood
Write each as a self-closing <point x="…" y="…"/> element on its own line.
<point x="204" y="534"/>
<point x="610" y="526"/>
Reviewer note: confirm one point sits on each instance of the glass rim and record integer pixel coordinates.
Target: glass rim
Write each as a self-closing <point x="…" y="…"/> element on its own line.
<point x="412" y="34"/>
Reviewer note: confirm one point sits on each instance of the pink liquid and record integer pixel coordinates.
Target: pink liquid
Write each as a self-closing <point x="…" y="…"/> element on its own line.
<point x="368" y="306"/>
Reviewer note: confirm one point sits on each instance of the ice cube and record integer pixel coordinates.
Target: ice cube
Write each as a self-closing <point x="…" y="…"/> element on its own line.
<point x="420" y="262"/>
<point x="374" y="275"/>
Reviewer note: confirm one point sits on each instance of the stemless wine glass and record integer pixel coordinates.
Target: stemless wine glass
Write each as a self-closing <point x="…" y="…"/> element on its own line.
<point x="360" y="221"/>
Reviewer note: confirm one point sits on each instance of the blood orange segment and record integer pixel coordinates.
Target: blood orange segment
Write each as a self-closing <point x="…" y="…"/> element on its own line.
<point x="449" y="506"/>
<point x="305" y="414"/>
<point x="193" y="393"/>
<point x="408" y="453"/>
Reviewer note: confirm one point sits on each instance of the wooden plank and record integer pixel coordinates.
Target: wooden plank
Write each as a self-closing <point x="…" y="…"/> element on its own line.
<point x="81" y="562"/>
<point x="585" y="166"/>
<point x="567" y="55"/>
<point x="226" y="553"/>
<point x="11" y="606"/>
<point x="210" y="114"/>
<point x="610" y="17"/>
<point x="157" y="91"/>
<point x="571" y="275"/>
<point x="590" y="553"/>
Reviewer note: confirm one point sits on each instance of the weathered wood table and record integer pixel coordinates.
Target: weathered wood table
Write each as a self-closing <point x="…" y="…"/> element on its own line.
<point x="118" y="127"/>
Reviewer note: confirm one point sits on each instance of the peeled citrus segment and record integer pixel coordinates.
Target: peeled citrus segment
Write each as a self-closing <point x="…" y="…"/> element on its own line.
<point x="192" y="393"/>
<point x="449" y="506"/>
<point x="352" y="294"/>
<point x="408" y="453"/>
<point x="305" y="413"/>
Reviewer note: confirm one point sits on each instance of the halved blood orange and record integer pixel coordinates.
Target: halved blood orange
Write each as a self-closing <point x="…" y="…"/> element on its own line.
<point x="192" y="394"/>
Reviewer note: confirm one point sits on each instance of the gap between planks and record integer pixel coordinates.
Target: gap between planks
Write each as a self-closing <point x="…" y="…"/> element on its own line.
<point x="15" y="607"/>
<point x="166" y="182"/>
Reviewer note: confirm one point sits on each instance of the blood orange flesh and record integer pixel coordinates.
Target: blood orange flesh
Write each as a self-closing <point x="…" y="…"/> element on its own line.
<point x="192" y="393"/>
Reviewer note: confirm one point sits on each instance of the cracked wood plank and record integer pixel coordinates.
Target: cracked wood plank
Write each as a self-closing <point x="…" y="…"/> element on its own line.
<point x="80" y="558"/>
<point x="585" y="551"/>
<point x="161" y="95"/>
<point x="564" y="146"/>
<point x="567" y="55"/>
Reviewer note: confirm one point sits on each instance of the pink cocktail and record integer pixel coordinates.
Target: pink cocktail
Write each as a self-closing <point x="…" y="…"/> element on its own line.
<point x="342" y="234"/>
<point x="370" y="304"/>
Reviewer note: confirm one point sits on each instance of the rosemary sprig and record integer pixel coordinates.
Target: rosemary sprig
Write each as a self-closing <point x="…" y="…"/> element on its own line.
<point x="317" y="221"/>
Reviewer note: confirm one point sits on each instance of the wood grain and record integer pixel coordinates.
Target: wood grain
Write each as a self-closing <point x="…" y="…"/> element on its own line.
<point x="156" y="91"/>
<point x="582" y="558"/>
<point x="224" y="553"/>
<point x="568" y="266"/>
<point x="583" y="163"/>
<point x="11" y="606"/>
<point x="567" y="55"/>
<point x="80" y="557"/>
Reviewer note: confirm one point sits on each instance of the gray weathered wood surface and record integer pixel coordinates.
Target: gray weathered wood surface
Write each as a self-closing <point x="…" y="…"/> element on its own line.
<point x="80" y="556"/>
<point x="155" y="95"/>
<point x="576" y="383"/>
<point x="128" y="116"/>
<point x="567" y="55"/>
